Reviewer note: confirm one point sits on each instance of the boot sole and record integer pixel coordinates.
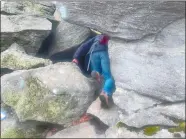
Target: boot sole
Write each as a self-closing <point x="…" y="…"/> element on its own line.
<point x="103" y="101"/>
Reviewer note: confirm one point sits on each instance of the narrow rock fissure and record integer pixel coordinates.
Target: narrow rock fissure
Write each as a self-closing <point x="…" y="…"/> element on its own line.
<point x="100" y="127"/>
<point x="5" y="13"/>
<point x="6" y="71"/>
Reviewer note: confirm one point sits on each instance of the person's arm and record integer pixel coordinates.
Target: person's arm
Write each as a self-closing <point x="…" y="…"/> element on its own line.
<point x="82" y="50"/>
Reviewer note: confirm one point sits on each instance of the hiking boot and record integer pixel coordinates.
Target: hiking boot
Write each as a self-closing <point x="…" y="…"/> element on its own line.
<point x="104" y="100"/>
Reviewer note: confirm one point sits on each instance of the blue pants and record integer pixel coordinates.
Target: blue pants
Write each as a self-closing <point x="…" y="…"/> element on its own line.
<point x="100" y="62"/>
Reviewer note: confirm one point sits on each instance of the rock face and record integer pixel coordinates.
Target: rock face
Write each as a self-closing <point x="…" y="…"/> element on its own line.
<point x="150" y="67"/>
<point x="27" y="31"/>
<point x="15" y="58"/>
<point x="57" y="93"/>
<point x="28" y="7"/>
<point x="68" y="36"/>
<point x="147" y="55"/>
<point x="129" y="20"/>
<point x="150" y="80"/>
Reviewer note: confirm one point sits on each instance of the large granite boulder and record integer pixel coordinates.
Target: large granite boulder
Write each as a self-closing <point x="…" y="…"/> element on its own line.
<point x="28" y="7"/>
<point x="68" y="36"/>
<point x="154" y="66"/>
<point x="57" y="93"/>
<point x="26" y="31"/>
<point x="150" y="80"/>
<point x="130" y="20"/>
<point x="64" y="39"/>
<point x="15" y="58"/>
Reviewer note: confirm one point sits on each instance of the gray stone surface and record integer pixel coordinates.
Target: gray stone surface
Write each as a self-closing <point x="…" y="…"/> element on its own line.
<point x="28" y="7"/>
<point x="57" y="93"/>
<point x="108" y="116"/>
<point x="129" y="20"/>
<point x="83" y="130"/>
<point x="150" y="79"/>
<point x="15" y="58"/>
<point x="27" y="31"/>
<point x="150" y="69"/>
<point x="68" y="36"/>
<point x="132" y="102"/>
<point x="114" y="132"/>
<point x="138" y="119"/>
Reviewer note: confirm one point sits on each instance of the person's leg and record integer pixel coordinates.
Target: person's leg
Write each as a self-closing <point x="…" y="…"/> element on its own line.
<point x="95" y="62"/>
<point x="109" y="84"/>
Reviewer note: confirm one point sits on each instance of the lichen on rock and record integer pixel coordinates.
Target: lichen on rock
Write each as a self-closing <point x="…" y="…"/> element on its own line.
<point x="151" y="130"/>
<point x="179" y="128"/>
<point x="119" y="125"/>
<point x="13" y="133"/>
<point x="17" y="59"/>
<point x="11" y="98"/>
<point x="32" y="6"/>
<point x="30" y="93"/>
<point x="35" y="101"/>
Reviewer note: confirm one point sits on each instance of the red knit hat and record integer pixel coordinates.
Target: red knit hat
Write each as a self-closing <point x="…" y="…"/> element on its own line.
<point x="104" y="39"/>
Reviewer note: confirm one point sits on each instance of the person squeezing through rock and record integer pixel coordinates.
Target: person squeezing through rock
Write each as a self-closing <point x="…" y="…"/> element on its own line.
<point x="92" y="57"/>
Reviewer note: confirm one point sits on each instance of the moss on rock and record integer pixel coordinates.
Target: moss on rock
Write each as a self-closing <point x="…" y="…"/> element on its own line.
<point x="34" y="7"/>
<point x="11" y="98"/>
<point x="18" y="61"/>
<point x="179" y="128"/>
<point x="13" y="133"/>
<point x="151" y="130"/>
<point x="36" y="102"/>
<point x="120" y="124"/>
<point x="17" y="132"/>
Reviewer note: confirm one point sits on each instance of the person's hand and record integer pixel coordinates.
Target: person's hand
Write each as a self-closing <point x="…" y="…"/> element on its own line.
<point x="75" y="61"/>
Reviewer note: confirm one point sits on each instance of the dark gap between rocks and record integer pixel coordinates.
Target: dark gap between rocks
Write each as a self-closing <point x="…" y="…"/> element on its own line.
<point x="175" y="120"/>
<point x="99" y="126"/>
<point x="48" y="43"/>
<point x="6" y="71"/>
<point x="45" y="125"/>
<point x="171" y="103"/>
<point x="5" y="13"/>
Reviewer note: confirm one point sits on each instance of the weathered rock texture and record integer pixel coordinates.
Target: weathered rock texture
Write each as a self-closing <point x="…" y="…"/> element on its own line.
<point x="15" y="58"/>
<point x="68" y="36"/>
<point x="128" y="20"/>
<point x="150" y="80"/>
<point x="57" y="93"/>
<point x="28" y="7"/>
<point x="26" y="31"/>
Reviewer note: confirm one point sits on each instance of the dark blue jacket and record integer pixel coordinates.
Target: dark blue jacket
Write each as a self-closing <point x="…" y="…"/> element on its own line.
<point x="84" y="51"/>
